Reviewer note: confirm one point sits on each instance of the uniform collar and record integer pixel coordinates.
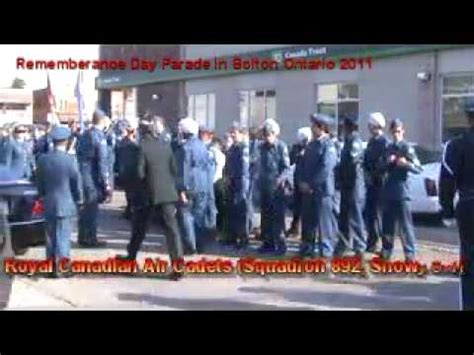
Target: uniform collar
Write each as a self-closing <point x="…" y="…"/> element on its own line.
<point x="322" y="138"/>
<point x="274" y="144"/>
<point x="378" y="138"/>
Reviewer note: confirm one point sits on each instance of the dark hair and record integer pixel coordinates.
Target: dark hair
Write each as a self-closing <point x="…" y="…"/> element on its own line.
<point x="98" y="117"/>
<point x="351" y="126"/>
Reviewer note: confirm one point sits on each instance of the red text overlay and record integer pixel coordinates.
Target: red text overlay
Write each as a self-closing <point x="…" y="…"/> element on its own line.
<point x="243" y="266"/>
<point x="219" y="64"/>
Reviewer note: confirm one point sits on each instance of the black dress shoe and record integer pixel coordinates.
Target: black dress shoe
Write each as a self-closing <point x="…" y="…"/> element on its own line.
<point x="124" y="258"/>
<point x="50" y="275"/>
<point x="66" y="274"/>
<point x="58" y="275"/>
<point x="175" y="276"/>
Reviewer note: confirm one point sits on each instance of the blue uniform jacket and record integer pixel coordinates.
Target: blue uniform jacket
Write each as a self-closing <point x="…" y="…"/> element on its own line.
<point x="43" y="145"/>
<point x="319" y="163"/>
<point x="374" y="160"/>
<point x="274" y="165"/>
<point x="458" y="169"/>
<point x="6" y="147"/>
<point x="194" y="163"/>
<point x="21" y="161"/>
<point x="350" y="171"/>
<point x="93" y="158"/>
<point x="237" y="170"/>
<point x="59" y="183"/>
<point x="396" y="186"/>
<point x="111" y="143"/>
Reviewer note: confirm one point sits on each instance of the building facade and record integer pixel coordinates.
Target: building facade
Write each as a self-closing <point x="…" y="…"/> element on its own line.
<point x="66" y="107"/>
<point x="122" y="95"/>
<point x="424" y="85"/>
<point x="16" y="106"/>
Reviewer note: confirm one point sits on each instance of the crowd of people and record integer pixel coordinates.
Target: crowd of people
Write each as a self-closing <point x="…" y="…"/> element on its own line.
<point x="343" y="195"/>
<point x="206" y="191"/>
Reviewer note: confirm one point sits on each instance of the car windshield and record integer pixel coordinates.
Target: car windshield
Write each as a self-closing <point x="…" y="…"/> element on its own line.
<point x="427" y="156"/>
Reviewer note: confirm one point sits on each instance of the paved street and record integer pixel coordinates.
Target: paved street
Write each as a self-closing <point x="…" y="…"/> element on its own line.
<point x="234" y="292"/>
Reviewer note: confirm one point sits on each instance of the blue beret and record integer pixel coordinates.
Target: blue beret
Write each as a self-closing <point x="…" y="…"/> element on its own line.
<point x="59" y="133"/>
<point x="121" y="125"/>
<point x="396" y="123"/>
<point x="322" y="119"/>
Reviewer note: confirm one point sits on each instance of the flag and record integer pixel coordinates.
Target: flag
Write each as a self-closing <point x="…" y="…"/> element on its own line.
<point x="52" y="116"/>
<point x="79" y="93"/>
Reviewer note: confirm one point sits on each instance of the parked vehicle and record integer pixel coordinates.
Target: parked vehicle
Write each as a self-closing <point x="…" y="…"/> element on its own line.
<point x="22" y="223"/>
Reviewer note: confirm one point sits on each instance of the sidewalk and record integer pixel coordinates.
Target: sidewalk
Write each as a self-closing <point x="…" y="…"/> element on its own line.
<point x="229" y="292"/>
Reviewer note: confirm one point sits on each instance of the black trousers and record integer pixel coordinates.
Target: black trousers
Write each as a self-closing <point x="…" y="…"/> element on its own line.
<point x="297" y="206"/>
<point x="319" y="225"/>
<point x="221" y="205"/>
<point x="465" y="216"/>
<point x="272" y="217"/>
<point x="166" y="216"/>
<point x="351" y="224"/>
<point x="373" y="215"/>
<point x="397" y="214"/>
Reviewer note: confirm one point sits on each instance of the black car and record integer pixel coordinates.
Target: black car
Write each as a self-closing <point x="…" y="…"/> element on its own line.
<point x="22" y="222"/>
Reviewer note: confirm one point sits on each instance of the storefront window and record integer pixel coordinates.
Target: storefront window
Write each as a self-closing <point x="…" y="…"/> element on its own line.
<point x="256" y="106"/>
<point x="203" y="109"/>
<point x="455" y="91"/>
<point x="338" y="101"/>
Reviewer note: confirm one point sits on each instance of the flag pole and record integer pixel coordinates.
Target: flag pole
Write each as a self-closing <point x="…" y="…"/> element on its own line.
<point x="52" y="103"/>
<point x="78" y="92"/>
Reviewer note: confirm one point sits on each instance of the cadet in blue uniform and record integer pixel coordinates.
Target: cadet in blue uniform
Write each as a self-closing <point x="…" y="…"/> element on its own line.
<point x="457" y="174"/>
<point x="254" y="196"/>
<point x="304" y="136"/>
<point x="400" y="160"/>
<point x="22" y="158"/>
<point x="205" y="135"/>
<point x="350" y="176"/>
<point x="193" y="175"/>
<point x="44" y="144"/>
<point x="6" y="146"/>
<point x="111" y="143"/>
<point x="374" y="179"/>
<point x="237" y="177"/>
<point x="59" y="184"/>
<point x="273" y="170"/>
<point x="92" y="157"/>
<point x="29" y="149"/>
<point x="318" y="188"/>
